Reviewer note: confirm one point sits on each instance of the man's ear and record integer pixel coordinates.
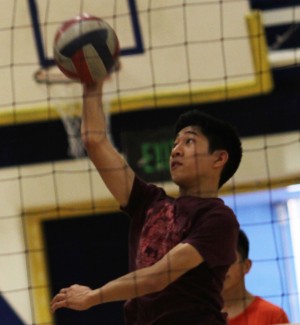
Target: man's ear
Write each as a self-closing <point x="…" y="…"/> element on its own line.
<point x="221" y="158"/>
<point x="247" y="265"/>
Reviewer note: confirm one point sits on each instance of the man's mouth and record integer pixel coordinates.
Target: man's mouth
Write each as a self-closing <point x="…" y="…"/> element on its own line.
<point x="175" y="164"/>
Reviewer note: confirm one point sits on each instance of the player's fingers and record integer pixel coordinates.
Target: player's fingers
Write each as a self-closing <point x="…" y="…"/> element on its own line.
<point x="60" y="297"/>
<point x="60" y="300"/>
<point x="58" y="304"/>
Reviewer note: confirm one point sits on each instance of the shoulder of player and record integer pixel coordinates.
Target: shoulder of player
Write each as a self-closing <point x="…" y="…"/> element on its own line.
<point x="263" y="303"/>
<point x="195" y="203"/>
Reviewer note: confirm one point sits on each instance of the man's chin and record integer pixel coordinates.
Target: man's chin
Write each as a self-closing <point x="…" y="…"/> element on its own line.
<point x="178" y="180"/>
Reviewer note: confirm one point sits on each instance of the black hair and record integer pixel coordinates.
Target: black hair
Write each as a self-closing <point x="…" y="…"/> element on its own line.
<point x="243" y="244"/>
<point x="221" y="136"/>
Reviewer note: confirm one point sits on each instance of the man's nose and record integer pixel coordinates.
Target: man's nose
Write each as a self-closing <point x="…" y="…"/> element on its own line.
<point x="176" y="151"/>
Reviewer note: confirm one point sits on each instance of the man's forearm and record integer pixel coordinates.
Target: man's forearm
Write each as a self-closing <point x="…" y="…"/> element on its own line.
<point x="132" y="285"/>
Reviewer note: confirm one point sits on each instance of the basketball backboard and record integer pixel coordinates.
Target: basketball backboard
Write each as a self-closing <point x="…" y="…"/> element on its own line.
<point x="172" y="53"/>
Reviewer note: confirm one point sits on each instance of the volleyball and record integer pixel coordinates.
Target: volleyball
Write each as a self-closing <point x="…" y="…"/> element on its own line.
<point x="86" y="48"/>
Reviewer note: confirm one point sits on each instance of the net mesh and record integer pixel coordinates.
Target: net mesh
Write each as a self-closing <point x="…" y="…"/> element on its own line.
<point x="41" y="182"/>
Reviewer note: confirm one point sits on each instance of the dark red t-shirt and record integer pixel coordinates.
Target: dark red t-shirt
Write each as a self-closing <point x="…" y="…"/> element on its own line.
<point x="159" y="223"/>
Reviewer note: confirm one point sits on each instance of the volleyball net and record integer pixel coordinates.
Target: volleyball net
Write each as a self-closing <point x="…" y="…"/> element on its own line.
<point x="235" y="59"/>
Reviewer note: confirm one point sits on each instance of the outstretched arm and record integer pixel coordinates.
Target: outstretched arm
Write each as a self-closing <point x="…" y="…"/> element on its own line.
<point x="116" y="174"/>
<point x="180" y="259"/>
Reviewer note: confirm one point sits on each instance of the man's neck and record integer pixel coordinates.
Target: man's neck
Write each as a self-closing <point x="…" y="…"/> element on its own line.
<point x="236" y="302"/>
<point x="203" y="192"/>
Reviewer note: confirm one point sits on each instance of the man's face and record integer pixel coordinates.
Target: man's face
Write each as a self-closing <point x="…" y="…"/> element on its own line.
<point x="236" y="273"/>
<point x="190" y="159"/>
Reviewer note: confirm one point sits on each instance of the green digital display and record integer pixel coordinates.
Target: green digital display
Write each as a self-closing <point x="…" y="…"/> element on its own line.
<point x="155" y="156"/>
<point x="148" y="152"/>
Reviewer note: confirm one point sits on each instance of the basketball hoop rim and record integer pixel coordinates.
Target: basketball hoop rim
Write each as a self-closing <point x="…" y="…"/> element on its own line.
<point x="51" y="75"/>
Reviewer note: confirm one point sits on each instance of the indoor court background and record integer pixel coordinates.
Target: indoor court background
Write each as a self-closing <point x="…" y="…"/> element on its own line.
<point x="236" y="59"/>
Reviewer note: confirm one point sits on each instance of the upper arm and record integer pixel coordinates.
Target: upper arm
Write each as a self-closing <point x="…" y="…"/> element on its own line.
<point x="116" y="174"/>
<point x="113" y="169"/>
<point x="215" y="237"/>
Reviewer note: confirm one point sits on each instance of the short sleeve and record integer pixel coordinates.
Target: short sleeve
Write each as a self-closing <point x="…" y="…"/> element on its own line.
<point x="141" y="196"/>
<point x="215" y="237"/>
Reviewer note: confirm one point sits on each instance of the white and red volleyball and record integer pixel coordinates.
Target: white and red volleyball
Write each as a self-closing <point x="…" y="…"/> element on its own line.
<point x="86" y="48"/>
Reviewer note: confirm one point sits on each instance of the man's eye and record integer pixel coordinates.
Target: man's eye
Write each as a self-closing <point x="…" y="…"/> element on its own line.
<point x="190" y="140"/>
